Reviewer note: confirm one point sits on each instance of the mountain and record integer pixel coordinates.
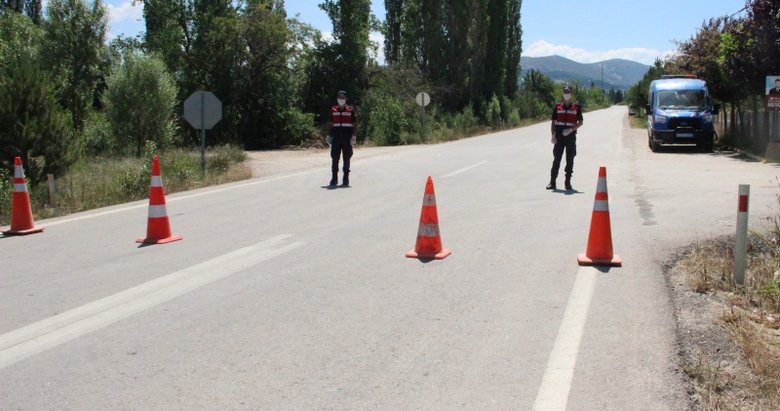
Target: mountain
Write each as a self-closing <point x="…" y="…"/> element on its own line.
<point x="618" y="73"/>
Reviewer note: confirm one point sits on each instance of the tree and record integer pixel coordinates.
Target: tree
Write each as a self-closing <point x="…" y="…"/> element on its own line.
<point x="514" y="48"/>
<point x="705" y="56"/>
<point x="73" y="45"/>
<point x="169" y="31"/>
<point x="351" y="24"/>
<point x="268" y="97"/>
<point x="19" y="37"/>
<point x="32" y="124"/>
<point x="392" y="30"/>
<point x="140" y="103"/>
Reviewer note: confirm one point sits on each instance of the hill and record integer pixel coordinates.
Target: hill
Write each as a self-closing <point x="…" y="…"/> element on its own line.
<point x="617" y="73"/>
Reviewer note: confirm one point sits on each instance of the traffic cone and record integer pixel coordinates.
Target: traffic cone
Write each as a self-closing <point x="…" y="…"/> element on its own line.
<point x="158" y="229"/>
<point x="599" y="251"/>
<point x="21" y="212"/>
<point x="428" y="244"/>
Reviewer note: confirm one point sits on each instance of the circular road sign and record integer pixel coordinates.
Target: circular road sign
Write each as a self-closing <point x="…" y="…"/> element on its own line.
<point x="423" y="99"/>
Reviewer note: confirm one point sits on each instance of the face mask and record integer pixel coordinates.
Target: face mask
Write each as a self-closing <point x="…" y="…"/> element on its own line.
<point x="567" y="96"/>
<point x="341" y="101"/>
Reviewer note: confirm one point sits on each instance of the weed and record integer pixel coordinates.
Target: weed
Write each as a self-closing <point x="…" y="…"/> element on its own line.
<point x="104" y="181"/>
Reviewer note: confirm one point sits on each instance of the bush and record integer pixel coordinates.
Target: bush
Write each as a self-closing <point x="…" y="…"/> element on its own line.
<point x="96" y="138"/>
<point x="493" y="112"/>
<point x="140" y="103"/>
<point x="387" y="122"/>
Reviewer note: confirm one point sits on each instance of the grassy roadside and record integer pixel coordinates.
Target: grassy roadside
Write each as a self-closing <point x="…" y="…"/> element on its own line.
<point x="102" y="181"/>
<point x="734" y="354"/>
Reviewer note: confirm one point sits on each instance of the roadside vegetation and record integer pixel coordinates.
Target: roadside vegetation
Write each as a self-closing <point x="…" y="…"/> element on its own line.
<point x="746" y="317"/>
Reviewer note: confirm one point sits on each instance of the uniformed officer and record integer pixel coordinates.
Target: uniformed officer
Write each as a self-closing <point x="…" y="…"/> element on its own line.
<point x="566" y="119"/>
<point x="341" y="136"/>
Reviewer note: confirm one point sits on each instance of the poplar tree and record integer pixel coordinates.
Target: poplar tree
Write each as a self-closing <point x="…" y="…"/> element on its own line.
<point x="74" y="39"/>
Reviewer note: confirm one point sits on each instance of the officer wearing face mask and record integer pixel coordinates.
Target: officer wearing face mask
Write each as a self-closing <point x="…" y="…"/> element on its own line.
<point x="341" y="136"/>
<point x="566" y="119"/>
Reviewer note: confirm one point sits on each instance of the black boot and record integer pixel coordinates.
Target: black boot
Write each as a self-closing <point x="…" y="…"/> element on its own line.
<point x="335" y="179"/>
<point x="567" y="183"/>
<point x="345" y="182"/>
<point x="551" y="186"/>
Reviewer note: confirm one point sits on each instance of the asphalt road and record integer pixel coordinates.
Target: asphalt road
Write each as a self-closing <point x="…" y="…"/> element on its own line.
<point x="284" y="294"/>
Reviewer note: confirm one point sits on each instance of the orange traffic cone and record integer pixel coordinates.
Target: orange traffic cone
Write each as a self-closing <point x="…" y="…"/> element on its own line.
<point x="599" y="251"/>
<point x="158" y="229"/>
<point x="428" y="244"/>
<point x="21" y="212"/>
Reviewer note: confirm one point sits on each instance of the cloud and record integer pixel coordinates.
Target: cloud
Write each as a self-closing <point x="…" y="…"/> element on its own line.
<point x="125" y="15"/>
<point x="542" y="48"/>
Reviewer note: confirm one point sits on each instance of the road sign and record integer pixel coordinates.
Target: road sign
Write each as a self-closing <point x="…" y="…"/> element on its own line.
<point x="423" y="99"/>
<point x="202" y="110"/>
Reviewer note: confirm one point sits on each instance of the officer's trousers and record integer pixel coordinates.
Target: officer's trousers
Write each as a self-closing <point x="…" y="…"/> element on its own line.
<point x="340" y="146"/>
<point x="568" y="144"/>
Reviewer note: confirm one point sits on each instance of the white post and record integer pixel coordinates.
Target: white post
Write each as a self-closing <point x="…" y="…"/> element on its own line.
<point x="52" y="191"/>
<point x="740" y="242"/>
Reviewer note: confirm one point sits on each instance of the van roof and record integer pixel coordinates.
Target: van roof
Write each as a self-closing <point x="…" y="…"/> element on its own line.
<point x="678" y="84"/>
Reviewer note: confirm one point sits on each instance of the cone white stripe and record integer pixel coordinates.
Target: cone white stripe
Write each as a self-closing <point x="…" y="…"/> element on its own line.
<point x="157" y="211"/>
<point x="600" y="205"/>
<point x="157" y="181"/>
<point x="429" y="200"/>
<point x="20" y="188"/>
<point x="601" y="186"/>
<point x="18" y="173"/>
<point x="428" y="230"/>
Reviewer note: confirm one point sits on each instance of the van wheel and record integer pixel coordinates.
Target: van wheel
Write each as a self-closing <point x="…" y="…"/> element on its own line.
<point x="654" y="147"/>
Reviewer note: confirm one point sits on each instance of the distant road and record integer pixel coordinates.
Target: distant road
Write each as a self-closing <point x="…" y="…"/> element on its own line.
<point x="286" y="295"/>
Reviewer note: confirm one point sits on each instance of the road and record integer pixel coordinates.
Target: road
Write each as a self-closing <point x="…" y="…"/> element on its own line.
<point x="284" y="294"/>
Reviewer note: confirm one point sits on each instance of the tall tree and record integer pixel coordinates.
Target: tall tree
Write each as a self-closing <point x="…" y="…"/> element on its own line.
<point x="496" y="42"/>
<point x="392" y="30"/>
<point x="74" y="41"/>
<point x="351" y="24"/>
<point x="32" y="124"/>
<point x="169" y="31"/>
<point x="514" y="47"/>
<point x="458" y="28"/>
<point x="268" y="99"/>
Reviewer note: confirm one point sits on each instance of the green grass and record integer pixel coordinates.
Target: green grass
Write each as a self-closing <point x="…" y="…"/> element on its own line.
<point x="99" y="182"/>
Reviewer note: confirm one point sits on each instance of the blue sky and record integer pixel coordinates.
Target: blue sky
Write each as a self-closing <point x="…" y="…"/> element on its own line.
<point x="584" y="31"/>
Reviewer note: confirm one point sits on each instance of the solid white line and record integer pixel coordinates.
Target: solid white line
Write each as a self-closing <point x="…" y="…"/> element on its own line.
<point x="553" y="394"/>
<point x="463" y="170"/>
<point x="53" y="331"/>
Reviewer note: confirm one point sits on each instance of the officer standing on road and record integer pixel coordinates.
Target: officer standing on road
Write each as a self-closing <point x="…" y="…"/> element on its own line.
<point x="566" y="119"/>
<point x="341" y="136"/>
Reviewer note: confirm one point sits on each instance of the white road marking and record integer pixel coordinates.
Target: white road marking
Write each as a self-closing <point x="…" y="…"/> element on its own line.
<point x="53" y="331"/>
<point x="553" y="394"/>
<point x="463" y="170"/>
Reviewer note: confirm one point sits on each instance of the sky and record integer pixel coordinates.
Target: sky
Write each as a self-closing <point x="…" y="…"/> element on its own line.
<point x="585" y="31"/>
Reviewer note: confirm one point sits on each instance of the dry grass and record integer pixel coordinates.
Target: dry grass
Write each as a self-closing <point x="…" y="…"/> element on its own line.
<point x="750" y="319"/>
<point x="99" y="182"/>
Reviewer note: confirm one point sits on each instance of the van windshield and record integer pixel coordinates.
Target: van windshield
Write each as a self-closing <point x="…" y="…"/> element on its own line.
<point x="681" y="99"/>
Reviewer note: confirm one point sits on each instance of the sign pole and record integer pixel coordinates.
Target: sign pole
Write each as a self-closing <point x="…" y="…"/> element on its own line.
<point x="202" y="137"/>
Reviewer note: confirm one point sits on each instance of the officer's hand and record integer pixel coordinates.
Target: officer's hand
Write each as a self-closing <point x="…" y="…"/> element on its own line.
<point x="553" y="139"/>
<point x="329" y="140"/>
<point x="353" y="140"/>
